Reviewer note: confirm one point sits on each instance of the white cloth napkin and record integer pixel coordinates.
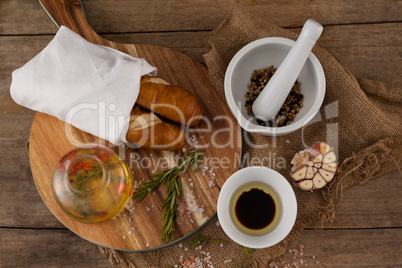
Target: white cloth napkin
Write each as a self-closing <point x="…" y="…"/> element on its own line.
<point x="91" y="87"/>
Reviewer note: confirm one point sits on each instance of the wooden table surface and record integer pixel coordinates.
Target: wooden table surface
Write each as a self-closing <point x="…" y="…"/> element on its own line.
<point x="365" y="36"/>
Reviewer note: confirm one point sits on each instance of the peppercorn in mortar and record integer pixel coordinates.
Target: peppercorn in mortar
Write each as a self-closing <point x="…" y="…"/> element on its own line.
<point x="289" y="109"/>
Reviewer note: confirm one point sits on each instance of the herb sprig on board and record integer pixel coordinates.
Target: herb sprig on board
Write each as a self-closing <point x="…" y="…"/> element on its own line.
<point x="192" y="158"/>
<point x="174" y="191"/>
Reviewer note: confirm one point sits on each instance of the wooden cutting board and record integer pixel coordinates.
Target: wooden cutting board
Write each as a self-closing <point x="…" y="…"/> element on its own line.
<point x="219" y="136"/>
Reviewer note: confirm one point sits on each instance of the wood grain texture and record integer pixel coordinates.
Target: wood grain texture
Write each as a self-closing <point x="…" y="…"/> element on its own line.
<point x="128" y="16"/>
<point x="332" y="248"/>
<point x="349" y="248"/>
<point x="51" y="139"/>
<point x="47" y="248"/>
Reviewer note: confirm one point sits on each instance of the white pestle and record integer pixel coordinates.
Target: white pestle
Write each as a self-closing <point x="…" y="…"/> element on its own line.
<point x="274" y="94"/>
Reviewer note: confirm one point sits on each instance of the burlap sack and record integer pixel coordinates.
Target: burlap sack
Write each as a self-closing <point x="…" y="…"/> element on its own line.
<point x="360" y="117"/>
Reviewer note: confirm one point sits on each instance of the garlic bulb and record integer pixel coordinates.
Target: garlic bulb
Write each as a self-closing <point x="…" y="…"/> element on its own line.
<point x="314" y="168"/>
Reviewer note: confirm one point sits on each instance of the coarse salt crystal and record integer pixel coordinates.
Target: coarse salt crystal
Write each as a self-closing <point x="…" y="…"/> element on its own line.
<point x="191" y="184"/>
<point x="124" y="237"/>
<point x="147" y="245"/>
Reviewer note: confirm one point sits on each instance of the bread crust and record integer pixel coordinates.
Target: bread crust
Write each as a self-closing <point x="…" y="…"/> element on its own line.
<point x="147" y="130"/>
<point x="169" y="101"/>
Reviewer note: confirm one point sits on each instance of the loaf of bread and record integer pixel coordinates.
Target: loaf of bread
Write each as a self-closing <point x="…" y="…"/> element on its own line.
<point x="172" y="102"/>
<point x="148" y="130"/>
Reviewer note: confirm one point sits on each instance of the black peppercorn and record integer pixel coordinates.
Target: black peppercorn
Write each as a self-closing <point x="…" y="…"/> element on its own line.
<point x="289" y="109"/>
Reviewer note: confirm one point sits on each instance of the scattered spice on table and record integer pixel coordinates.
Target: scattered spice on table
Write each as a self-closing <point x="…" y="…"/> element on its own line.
<point x="295" y="258"/>
<point x="289" y="109"/>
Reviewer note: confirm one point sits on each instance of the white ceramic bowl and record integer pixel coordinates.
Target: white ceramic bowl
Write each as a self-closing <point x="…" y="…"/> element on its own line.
<point x="261" y="54"/>
<point x="286" y="195"/>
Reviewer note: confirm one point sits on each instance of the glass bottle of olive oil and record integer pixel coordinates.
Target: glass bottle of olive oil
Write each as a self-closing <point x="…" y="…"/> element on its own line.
<point x="92" y="184"/>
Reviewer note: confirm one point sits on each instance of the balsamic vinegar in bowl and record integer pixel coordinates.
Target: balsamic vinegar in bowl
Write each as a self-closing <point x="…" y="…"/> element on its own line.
<point x="255" y="208"/>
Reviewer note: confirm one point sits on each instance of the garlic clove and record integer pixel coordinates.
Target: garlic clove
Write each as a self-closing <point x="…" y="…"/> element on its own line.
<point x="318" y="181"/>
<point x="327" y="175"/>
<point x="329" y="157"/>
<point x="299" y="173"/>
<point x="300" y="159"/>
<point x="316" y="158"/>
<point x="310" y="173"/>
<point x="320" y="148"/>
<point x="318" y="165"/>
<point x="330" y="166"/>
<point x="305" y="185"/>
<point x="325" y="148"/>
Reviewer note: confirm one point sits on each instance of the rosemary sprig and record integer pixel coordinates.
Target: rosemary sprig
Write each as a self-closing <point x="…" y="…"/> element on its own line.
<point x="246" y="252"/>
<point x="192" y="158"/>
<point x="173" y="193"/>
<point x="95" y="171"/>
<point x="204" y="239"/>
<point x="80" y="178"/>
<point x="170" y="208"/>
<point x="248" y="255"/>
